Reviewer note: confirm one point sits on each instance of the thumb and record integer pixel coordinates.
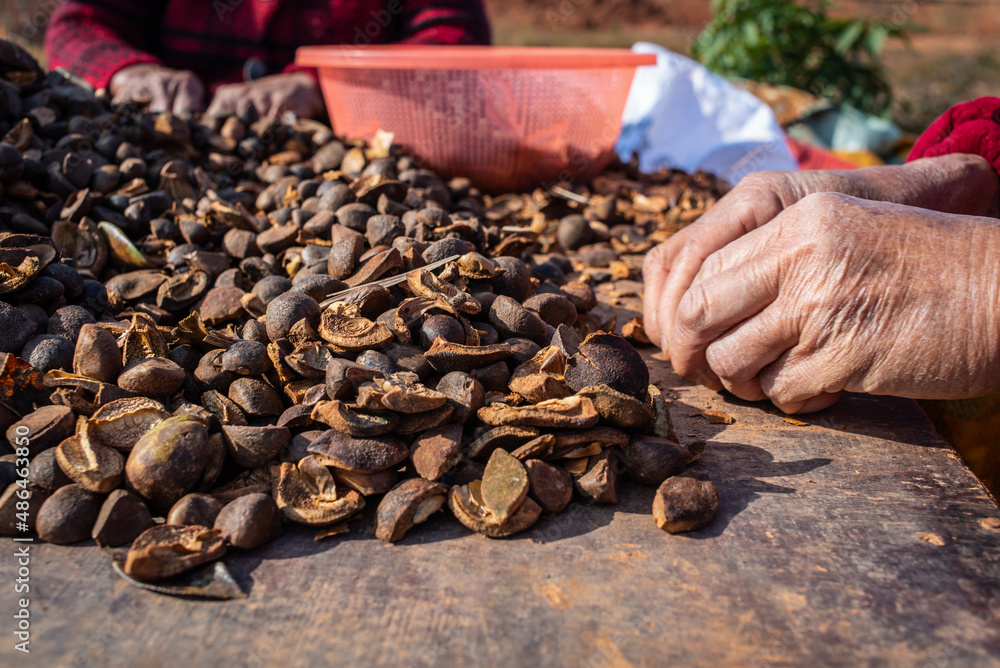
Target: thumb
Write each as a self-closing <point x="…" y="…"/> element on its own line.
<point x="189" y="94"/>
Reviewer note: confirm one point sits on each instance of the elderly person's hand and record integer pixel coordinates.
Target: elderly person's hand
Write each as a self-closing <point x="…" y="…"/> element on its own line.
<point x="165" y="89"/>
<point x="272" y="96"/>
<point x="963" y="184"/>
<point x="839" y="293"/>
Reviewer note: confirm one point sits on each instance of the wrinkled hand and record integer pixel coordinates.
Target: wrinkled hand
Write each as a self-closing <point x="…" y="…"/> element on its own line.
<point x="166" y="89"/>
<point x="839" y="293"/>
<point x="953" y="184"/>
<point x="272" y="96"/>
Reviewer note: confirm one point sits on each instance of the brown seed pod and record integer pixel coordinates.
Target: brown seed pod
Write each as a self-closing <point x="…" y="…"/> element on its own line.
<point x="376" y="267"/>
<point x="156" y="377"/>
<point x="169" y="461"/>
<point x="651" y="460"/>
<point x="537" y="448"/>
<point x="223" y="408"/>
<point x="403" y="396"/>
<point x="621" y="410"/>
<point x="182" y="290"/>
<point x="685" y="503"/>
<point x="608" y="359"/>
<point x="466" y="504"/>
<point x="600" y="482"/>
<point x="512" y="319"/>
<point x="93" y="467"/>
<point x="120" y="423"/>
<point x="436" y="451"/>
<point x="256" y="397"/>
<point x="663" y="426"/>
<point x="407" y="504"/>
<point x="571" y="412"/>
<point x="464" y="394"/>
<point x="541" y="377"/>
<point x="166" y="550"/>
<point x="415" y="423"/>
<point x="43" y="428"/>
<point x="67" y="516"/>
<point x="366" y="484"/>
<point x="250" y="521"/>
<point x="123" y="516"/>
<point x="194" y="509"/>
<point x="352" y="420"/>
<point x="362" y="455"/>
<point x="506" y="437"/>
<point x="44" y="474"/>
<point x="553" y="309"/>
<point x="97" y="355"/>
<point x="446" y="357"/>
<point x="344" y="327"/>
<point x="246" y="358"/>
<point x="422" y="283"/>
<point x="550" y="486"/>
<point x="253" y="447"/>
<point x="307" y="494"/>
<point x="343" y="377"/>
<point x="504" y="486"/>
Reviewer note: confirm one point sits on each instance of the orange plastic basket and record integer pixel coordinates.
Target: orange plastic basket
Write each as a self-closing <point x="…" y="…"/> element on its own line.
<point x="508" y="118"/>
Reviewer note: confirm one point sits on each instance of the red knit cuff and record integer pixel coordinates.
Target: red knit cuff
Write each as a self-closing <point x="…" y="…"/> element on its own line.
<point x="971" y="127"/>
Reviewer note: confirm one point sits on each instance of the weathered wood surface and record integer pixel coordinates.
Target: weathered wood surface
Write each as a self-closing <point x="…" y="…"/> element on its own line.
<point x="853" y="541"/>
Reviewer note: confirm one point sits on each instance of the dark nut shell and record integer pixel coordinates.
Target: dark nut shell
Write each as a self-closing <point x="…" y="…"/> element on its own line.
<point x="465" y="394"/>
<point x="166" y="550"/>
<point x="608" y="359"/>
<point x="551" y="486"/>
<point x="600" y="482"/>
<point x="123" y="516"/>
<point x="154" y="377"/>
<point x="621" y="410"/>
<point x="97" y="354"/>
<point x="44" y="473"/>
<point x="253" y="447"/>
<point x="408" y="503"/>
<point x="256" y="397"/>
<point x="366" y="484"/>
<point x="436" y="451"/>
<point x="194" y="509"/>
<point x="362" y="455"/>
<point x="68" y="515"/>
<point x="504" y="486"/>
<point x="650" y="460"/>
<point x="685" y="503"/>
<point x="93" y="467"/>
<point x="44" y="428"/>
<point x="250" y="521"/>
<point x="446" y="357"/>
<point x="512" y="319"/>
<point x="573" y="412"/>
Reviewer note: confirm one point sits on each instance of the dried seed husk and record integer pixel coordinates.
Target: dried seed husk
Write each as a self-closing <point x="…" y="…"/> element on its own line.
<point x="123" y="516"/>
<point x="621" y="410"/>
<point x="409" y="503"/>
<point x="376" y="267"/>
<point x="169" y="461"/>
<point x="120" y="423"/>
<point x="423" y="283"/>
<point x="361" y="455"/>
<point x="446" y="357"/>
<point x="142" y="340"/>
<point x="571" y="412"/>
<point x="436" y="451"/>
<point x="474" y="516"/>
<point x="44" y="428"/>
<point x="249" y="521"/>
<point x="134" y="285"/>
<point x="512" y="319"/>
<point x="182" y="290"/>
<point x="651" y="460"/>
<point x="537" y="448"/>
<point x="248" y="482"/>
<point x="256" y="397"/>
<point x="343" y="377"/>
<point x="67" y="515"/>
<point x="253" y="447"/>
<point x="415" y="423"/>
<point x="464" y="393"/>
<point x="307" y="494"/>
<point x="571" y="440"/>
<point x="156" y="377"/>
<point x="194" y="509"/>
<point x="663" y="426"/>
<point x="354" y="421"/>
<point x="17" y="267"/>
<point x="507" y="438"/>
<point x="404" y="396"/>
<point x="97" y="355"/>
<point x="685" y="503"/>
<point x="166" y="550"/>
<point x="223" y="408"/>
<point x="338" y="529"/>
<point x="95" y="468"/>
<point x="366" y="484"/>
<point x="550" y="486"/>
<point x="344" y="327"/>
<point x="310" y="360"/>
<point x="504" y="486"/>
<point x="600" y="482"/>
<point x="541" y="377"/>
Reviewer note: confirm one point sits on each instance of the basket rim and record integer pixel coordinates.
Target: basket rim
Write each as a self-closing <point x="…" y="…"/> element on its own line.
<point x="414" y="57"/>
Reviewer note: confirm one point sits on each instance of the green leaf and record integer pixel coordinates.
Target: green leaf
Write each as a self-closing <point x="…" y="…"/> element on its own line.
<point x="849" y="37"/>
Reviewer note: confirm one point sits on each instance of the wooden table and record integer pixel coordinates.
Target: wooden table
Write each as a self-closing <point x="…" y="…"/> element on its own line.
<point x="856" y="540"/>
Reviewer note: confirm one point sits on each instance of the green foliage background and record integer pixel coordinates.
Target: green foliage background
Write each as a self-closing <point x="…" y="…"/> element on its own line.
<point x="792" y="44"/>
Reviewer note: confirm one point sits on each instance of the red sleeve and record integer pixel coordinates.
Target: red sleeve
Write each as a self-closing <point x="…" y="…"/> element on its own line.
<point x="444" y="22"/>
<point x="971" y="127"/>
<point x="96" y="38"/>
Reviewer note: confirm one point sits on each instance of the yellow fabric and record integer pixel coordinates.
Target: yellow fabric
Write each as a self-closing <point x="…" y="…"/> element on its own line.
<point x="860" y="158"/>
<point x="973" y="427"/>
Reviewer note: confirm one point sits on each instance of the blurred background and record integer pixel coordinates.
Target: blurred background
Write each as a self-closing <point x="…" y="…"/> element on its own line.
<point x="948" y="57"/>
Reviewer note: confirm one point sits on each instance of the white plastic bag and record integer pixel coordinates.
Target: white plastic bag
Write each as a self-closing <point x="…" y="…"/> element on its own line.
<point x="681" y="115"/>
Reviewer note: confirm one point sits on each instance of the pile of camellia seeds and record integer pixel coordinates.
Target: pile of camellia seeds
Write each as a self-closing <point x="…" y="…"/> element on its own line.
<point x="212" y="328"/>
